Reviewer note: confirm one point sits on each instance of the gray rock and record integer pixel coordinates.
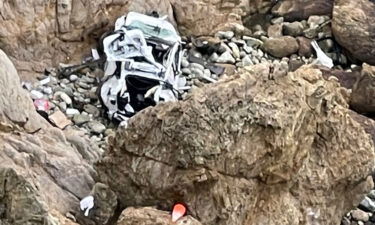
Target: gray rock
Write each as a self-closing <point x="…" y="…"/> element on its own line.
<point x="247" y="49"/>
<point x="64" y="81"/>
<point x="47" y="90"/>
<point x="197" y="72"/>
<point x="80" y="119"/>
<point x="235" y="50"/>
<point x="253" y="42"/>
<point x="360" y="215"/>
<point x="73" y="77"/>
<point x="88" y="80"/>
<point x="368" y="204"/>
<point x="225" y="34"/>
<point x="226" y="57"/>
<point x="184" y="63"/>
<point x="213" y="57"/>
<point x="310" y="33"/>
<point x="36" y="94"/>
<point x="91" y="109"/>
<point x="207" y="73"/>
<point x="293" y="29"/>
<point x="242" y="54"/>
<point x="315" y="21"/>
<point x="64" y="97"/>
<point x="84" y="85"/>
<point x="96" y="127"/>
<point x="81" y="90"/>
<point x="275" y="30"/>
<point x="62" y="106"/>
<point x="186" y="71"/>
<point x="246" y="61"/>
<point x="70" y="112"/>
<point x="278" y="20"/>
<point x="196" y="66"/>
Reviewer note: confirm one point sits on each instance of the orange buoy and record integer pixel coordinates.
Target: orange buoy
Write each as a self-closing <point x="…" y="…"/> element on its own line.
<point x="179" y="211"/>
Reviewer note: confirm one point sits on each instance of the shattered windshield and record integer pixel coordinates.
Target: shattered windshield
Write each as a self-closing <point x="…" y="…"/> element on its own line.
<point x="154" y="31"/>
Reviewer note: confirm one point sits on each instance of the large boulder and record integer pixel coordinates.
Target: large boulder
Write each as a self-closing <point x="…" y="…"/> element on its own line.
<point x="42" y="175"/>
<point x="251" y="149"/>
<point x="152" y="216"/>
<point x="362" y="98"/>
<point x="293" y="10"/>
<point x="353" y="27"/>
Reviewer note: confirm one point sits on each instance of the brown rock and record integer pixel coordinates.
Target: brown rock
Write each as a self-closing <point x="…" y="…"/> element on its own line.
<point x="367" y="123"/>
<point x="281" y="47"/>
<point x="353" y="27"/>
<point x="346" y="79"/>
<point x="275" y="31"/>
<point x="246" y="150"/>
<point x="17" y="111"/>
<point x="305" y="48"/>
<point x="42" y="175"/>
<point x="151" y="216"/>
<point x="363" y="94"/>
<point x="293" y="10"/>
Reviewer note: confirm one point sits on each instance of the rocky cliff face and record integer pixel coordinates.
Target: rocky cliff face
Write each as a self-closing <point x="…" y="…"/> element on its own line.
<point x="248" y="150"/>
<point x="43" y="173"/>
<point x="41" y="33"/>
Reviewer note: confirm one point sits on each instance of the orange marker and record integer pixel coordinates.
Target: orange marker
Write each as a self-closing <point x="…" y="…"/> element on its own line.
<point x="179" y="211"/>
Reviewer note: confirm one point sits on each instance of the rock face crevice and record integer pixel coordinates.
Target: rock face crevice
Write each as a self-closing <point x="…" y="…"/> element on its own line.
<point x="247" y="150"/>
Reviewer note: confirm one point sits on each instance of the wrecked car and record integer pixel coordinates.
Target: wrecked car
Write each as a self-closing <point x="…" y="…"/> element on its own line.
<point x="143" y="65"/>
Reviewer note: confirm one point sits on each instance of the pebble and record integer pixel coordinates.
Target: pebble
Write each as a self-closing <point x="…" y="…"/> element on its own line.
<point x="47" y="90"/>
<point x="88" y="80"/>
<point x="73" y="77"/>
<point x="226" y="57"/>
<point x="242" y="54"/>
<point x="278" y="20"/>
<point x="253" y="42"/>
<point x="235" y="50"/>
<point x="96" y="127"/>
<point x="80" y="119"/>
<point x="62" y="106"/>
<point x="360" y="215"/>
<point x="247" y="49"/>
<point x="91" y="109"/>
<point x="214" y="57"/>
<point x="225" y="34"/>
<point x="196" y="66"/>
<point x="186" y="71"/>
<point x="207" y="73"/>
<point x="184" y="63"/>
<point x="246" y="61"/>
<point x="63" y="96"/>
<point x="368" y="204"/>
<point x="84" y="85"/>
<point x="36" y="94"/>
<point x="315" y="21"/>
<point x="70" y="112"/>
<point x="197" y="72"/>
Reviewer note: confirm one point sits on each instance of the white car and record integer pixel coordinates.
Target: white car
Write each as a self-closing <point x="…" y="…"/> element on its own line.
<point x="142" y="67"/>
